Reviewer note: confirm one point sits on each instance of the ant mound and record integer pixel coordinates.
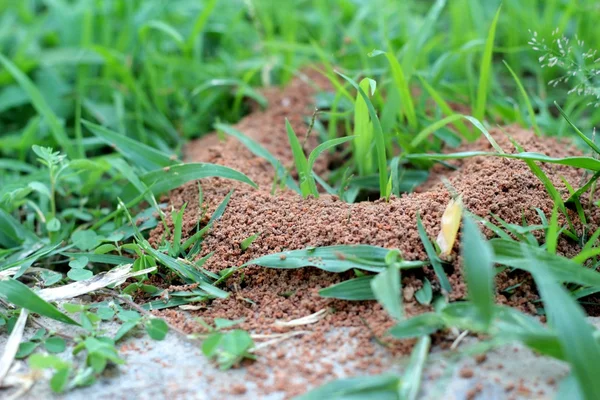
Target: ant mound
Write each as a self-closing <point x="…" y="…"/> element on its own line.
<point x="284" y="221"/>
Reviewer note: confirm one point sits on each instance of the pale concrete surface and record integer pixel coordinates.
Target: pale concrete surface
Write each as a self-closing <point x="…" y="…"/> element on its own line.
<point x="176" y="369"/>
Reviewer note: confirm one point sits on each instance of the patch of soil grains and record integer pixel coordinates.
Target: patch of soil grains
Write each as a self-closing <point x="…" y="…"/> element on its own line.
<point x="285" y="221"/>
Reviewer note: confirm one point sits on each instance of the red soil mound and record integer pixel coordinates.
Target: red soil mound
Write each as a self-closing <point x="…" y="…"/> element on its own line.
<point x="285" y="221"/>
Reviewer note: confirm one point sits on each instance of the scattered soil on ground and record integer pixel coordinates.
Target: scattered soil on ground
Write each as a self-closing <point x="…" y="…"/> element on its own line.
<point x="285" y="221"/>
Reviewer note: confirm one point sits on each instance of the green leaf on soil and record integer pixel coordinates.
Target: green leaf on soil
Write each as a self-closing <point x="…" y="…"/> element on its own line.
<point x="55" y="344"/>
<point x="157" y="328"/>
<point x="425" y="294"/>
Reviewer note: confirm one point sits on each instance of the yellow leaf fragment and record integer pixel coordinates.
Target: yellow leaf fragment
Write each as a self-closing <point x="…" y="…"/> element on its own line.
<point x="449" y="226"/>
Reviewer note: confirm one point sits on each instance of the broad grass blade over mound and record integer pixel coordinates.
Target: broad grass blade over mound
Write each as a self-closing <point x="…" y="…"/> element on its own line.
<point x="332" y="259"/>
<point x="520" y="255"/>
<point x="575" y="161"/>
<point x="356" y="289"/>
<point x="140" y="154"/>
<point x="163" y="180"/>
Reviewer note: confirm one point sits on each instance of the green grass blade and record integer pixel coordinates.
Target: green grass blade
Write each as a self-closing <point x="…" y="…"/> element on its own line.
<point x="450" y="119"/>
<point x="420" y="325"/>
<point x="22" y="296"/>
<point x="258" y="150"/>
<point x="411" y="378"/>
<point x="357" y="289"/>
<point x="587" y="140"/>
<point x="577" y="161"/>
<point x="576" y="336"/>
<point x="579" y="192"/>
<point x="163" y="180"/>
<point x="332" y="259"/>
<point x="164" y="28"/>
<point x="324" y="147"/>
<point x="520" y="255"/>
<point x="445" y="107"/>
<point x="536" y="128"/>
<point x="479" y="270"/>
<point x="199" y="25"/>
<point x="378" y="136"/>
<point x="125" y="169"/>
<point x="139" y="154"/>
<point x="317" y="151"/>
<point x="215" y="216"/>
<point x="377" y="387"/>
<point x="363" y="131"/>
<point x="13" y="233"/>
<point x="306" y="181"/>
<point x="414" y="46"/>
<point x="552" y="231"/>
<point x="433" y="257"/>
<point x="486" y="70"/>
<point x="402" y="86"/>
<point x="41" y="106"/>
<point x="387" y="290"/>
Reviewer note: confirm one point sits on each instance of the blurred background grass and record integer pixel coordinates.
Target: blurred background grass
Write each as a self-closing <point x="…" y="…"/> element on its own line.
<point x="165" y="71"/>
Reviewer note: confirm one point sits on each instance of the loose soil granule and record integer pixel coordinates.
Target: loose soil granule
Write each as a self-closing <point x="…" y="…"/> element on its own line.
<point x="285" y="221"/>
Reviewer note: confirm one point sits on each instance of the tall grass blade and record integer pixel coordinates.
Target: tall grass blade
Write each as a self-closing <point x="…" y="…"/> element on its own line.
<point x="435" y="261"/>
<point x="378" y="136"/>
<point x="258" y="150"/>
<point x="587" y="140"/>
<point x="536" y="128"/>
<point x="402" y="86"/>
<point x="486" y="70"/>
<point x="479" y="270"/>
<point x="301" y="162"/>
